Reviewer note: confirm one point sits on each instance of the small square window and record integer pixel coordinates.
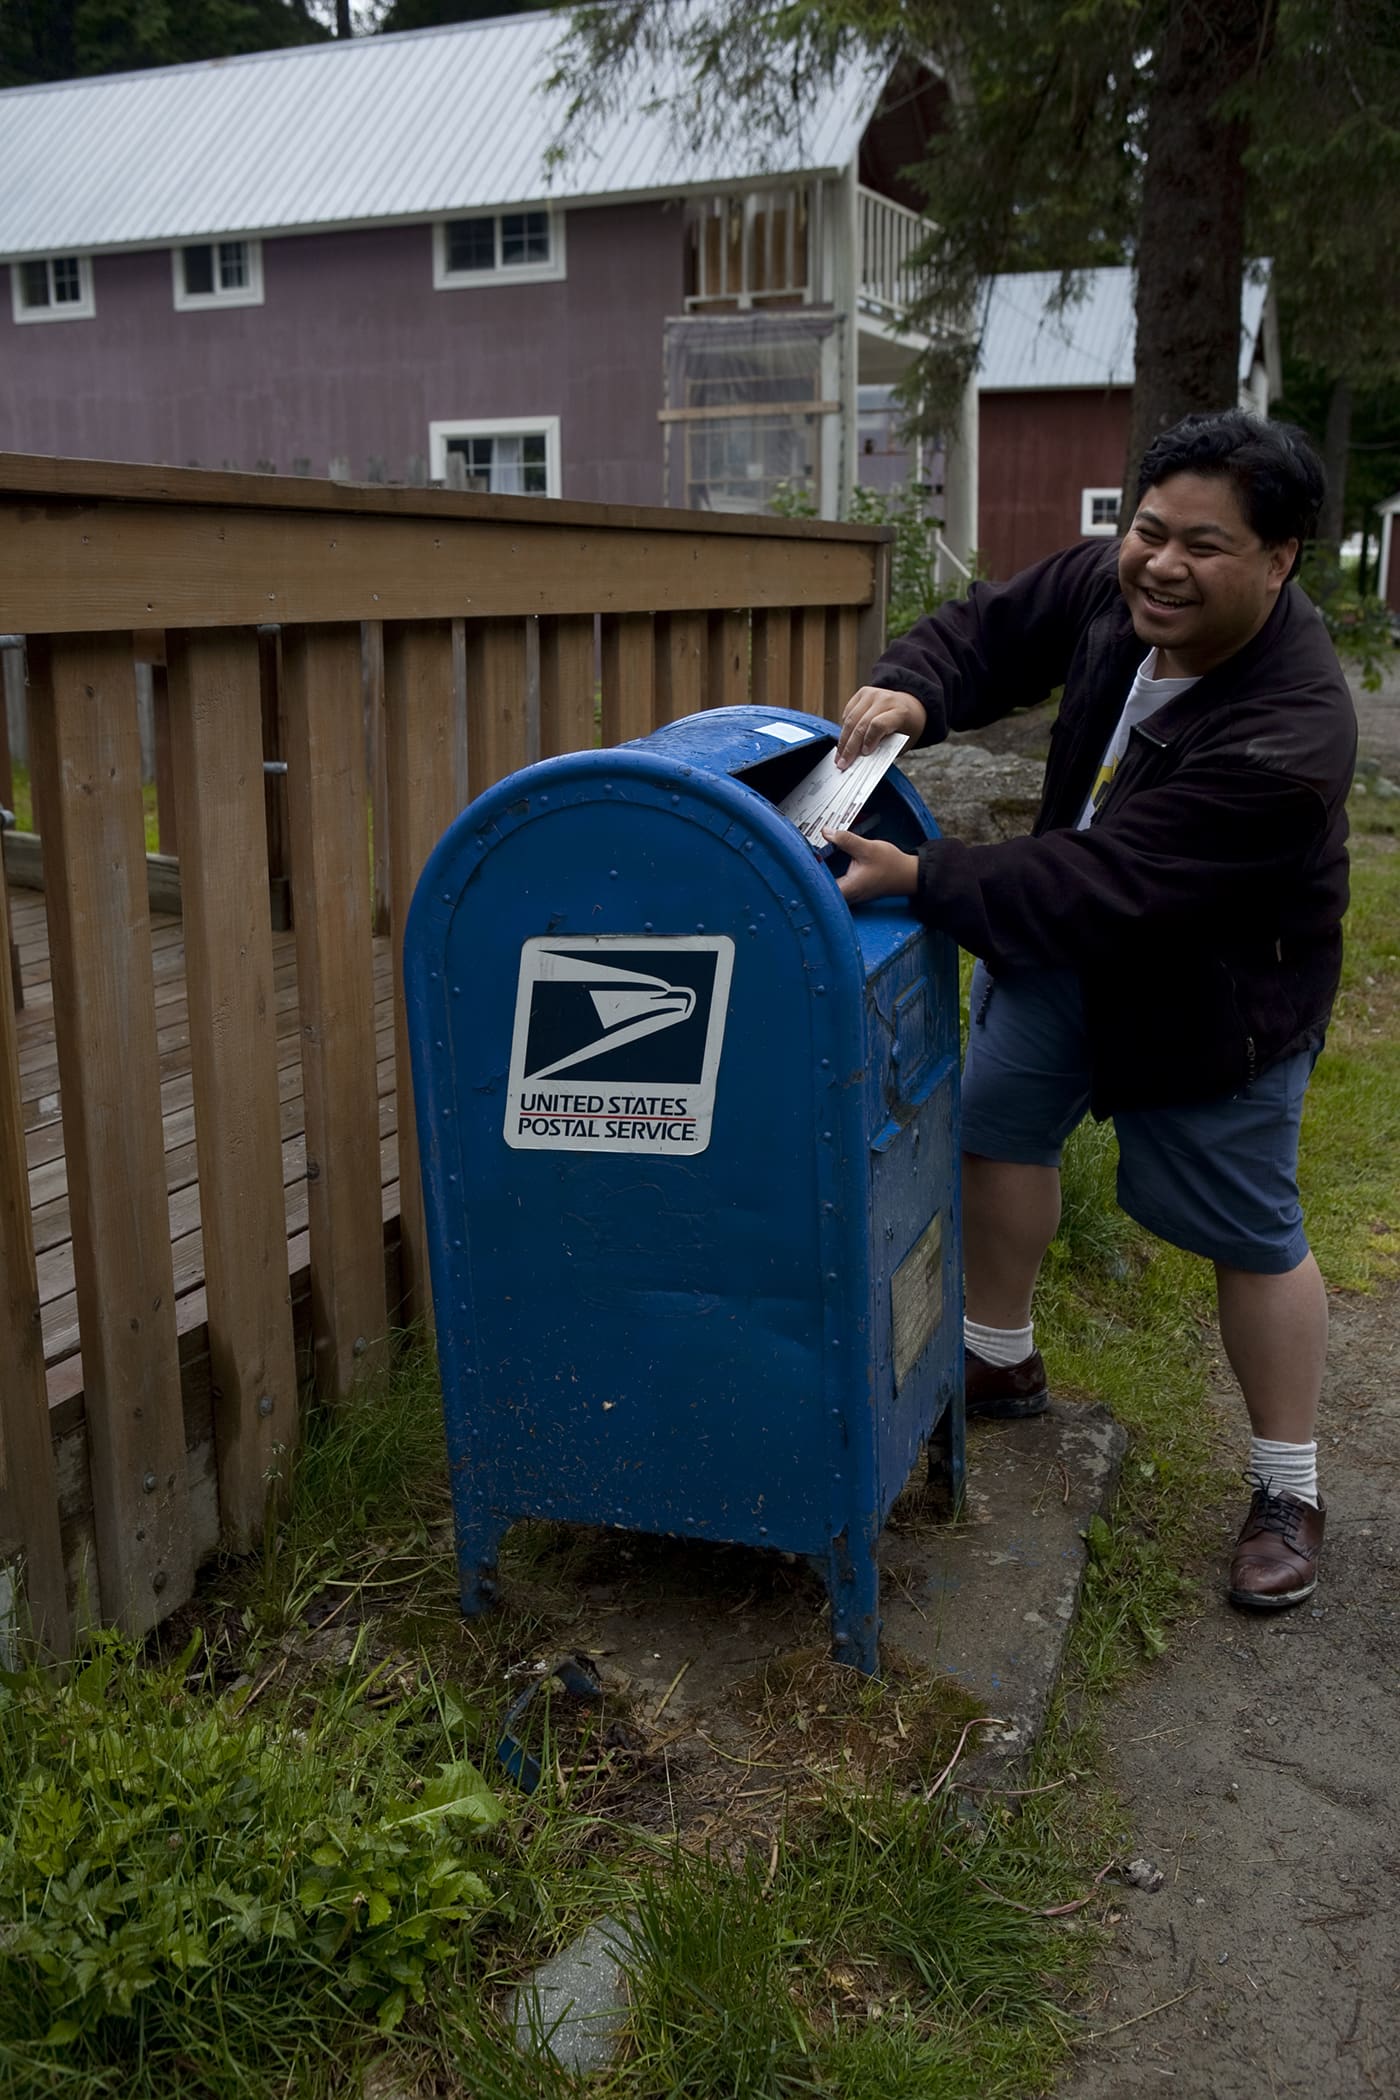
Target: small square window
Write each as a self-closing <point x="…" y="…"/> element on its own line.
<point x="498" y="248"/>
<point x="52" y="288"/>
<point x="501" y="457"/>
<point x="1098" y="512"/>
<point x="217" y="273"/>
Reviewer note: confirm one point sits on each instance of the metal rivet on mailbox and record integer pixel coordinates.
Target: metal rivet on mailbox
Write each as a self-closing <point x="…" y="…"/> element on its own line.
<point x="150" y="1483"/>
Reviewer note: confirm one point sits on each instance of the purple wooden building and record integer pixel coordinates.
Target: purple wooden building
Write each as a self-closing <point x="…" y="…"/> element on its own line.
<point x="363" y="258"/>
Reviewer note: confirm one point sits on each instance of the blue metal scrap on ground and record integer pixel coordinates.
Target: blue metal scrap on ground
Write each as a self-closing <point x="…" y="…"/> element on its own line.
<point x="688" y="1128"/>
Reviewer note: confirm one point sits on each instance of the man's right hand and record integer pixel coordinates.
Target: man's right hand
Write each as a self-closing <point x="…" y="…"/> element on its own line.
<point x="871" y="715"/>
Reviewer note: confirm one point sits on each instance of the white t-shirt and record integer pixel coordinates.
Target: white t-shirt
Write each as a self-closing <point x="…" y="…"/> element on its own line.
<point x="1145" y="697"/>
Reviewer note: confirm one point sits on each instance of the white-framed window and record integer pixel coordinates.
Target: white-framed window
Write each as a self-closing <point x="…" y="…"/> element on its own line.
<point x="1098" y="512"/>
<point x="217" y="273"/>
<point x="498" y="247"/>
<point x="53" y="288"/>
<point x="502" y="456"/>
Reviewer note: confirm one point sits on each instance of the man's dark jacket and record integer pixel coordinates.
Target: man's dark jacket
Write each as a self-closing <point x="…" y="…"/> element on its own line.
<point x="1203" y="906"/>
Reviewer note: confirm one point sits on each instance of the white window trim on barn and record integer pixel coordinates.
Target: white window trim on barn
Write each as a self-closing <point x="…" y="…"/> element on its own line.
<point x="1098" y="529"/>
<point x="249" y="293"/>
<point x="446" y="279"/>
<point x="497" y="427"/>
<point x="83" y="308"/>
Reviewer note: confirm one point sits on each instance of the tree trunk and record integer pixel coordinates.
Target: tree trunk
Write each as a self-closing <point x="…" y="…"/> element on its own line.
<point x="343" y="25"/>
<point x="1190" y="254"/>
<point x="1335" y="443"/>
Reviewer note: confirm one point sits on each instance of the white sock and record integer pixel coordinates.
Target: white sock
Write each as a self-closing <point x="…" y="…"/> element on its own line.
<point x="999" y="1345"/>
<point x="1285" y="1469"/>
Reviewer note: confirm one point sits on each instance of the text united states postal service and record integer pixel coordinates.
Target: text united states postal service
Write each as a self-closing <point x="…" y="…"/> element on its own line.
<point x="616" y="1043"/>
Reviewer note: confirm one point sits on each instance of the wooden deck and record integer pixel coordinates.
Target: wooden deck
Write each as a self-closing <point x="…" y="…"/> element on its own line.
<point x="43" y="1123"/>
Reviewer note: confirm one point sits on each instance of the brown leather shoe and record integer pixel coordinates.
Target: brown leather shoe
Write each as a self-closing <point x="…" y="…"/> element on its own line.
<point x="1005" y="1392"/>
<point x="1276" y="1553"/>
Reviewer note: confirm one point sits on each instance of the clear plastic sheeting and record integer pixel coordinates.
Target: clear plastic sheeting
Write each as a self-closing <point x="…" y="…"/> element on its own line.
<point x="744" y="409"/>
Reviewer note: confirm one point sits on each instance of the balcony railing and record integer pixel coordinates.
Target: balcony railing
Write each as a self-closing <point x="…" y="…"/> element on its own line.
<point x="890" y="235"/>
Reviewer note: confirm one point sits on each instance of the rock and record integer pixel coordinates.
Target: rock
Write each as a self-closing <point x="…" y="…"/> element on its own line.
<point x="573" y="2007"/>
<point x="977" y="796"/>
<point x="1141" y="1874"/>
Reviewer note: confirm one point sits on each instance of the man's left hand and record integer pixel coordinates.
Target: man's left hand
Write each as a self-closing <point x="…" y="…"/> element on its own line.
<point x="877" y="868"/>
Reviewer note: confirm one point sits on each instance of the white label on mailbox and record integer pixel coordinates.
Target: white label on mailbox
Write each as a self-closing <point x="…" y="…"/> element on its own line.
<point x="617" y="1042"/>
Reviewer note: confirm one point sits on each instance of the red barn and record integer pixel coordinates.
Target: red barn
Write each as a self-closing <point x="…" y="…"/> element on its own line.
<point x="1054" y="392"/>
<point x="1388" y="573"/>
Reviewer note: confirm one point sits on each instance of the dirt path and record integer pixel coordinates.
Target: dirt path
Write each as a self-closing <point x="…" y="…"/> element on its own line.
<point x="1259" y="1762"/>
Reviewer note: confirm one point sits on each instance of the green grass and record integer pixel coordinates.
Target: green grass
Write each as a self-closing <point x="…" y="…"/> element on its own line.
<point x="282" y="1863"/>
<point x="223" y="1890"/>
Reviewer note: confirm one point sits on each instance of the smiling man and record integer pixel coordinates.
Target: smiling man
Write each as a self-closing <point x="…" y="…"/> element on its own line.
<point x="1165" y="948"/>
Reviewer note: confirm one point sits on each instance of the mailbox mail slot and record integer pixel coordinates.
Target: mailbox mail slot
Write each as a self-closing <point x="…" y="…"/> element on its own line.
<point x="689" y="1145"/>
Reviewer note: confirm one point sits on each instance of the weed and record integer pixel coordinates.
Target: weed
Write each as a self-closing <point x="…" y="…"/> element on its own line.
<point x="187" y="1882"/>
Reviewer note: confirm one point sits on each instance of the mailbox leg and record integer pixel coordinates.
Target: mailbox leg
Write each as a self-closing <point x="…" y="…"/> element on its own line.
<point x="852" y="1577"/>
<point x="477" y="1555"/>
<point x="947" y="1458"/>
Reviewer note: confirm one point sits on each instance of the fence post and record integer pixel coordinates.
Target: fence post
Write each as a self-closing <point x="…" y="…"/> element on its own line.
<point x="86" y="759"/>
<point x="418" y="741"/>
<point x="376" y="733"/>
<point x="216" y="763"/>
<point x="28" y="1492"/>
<point x="874" y="617"/>
<point x="327" y="801"/>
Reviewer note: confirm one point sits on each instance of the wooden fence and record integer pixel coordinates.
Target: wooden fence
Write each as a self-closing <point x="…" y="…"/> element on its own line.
<point x="484" y="630"/>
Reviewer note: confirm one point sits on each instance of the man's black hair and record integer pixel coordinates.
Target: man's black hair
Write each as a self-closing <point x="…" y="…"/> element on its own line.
<point x="1277" y="476"/>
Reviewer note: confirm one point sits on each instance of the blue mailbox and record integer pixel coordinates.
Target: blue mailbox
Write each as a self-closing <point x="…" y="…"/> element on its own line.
<point x="688" y="1128"/>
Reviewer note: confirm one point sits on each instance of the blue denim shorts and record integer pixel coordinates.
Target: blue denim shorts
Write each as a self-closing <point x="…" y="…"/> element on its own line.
<point x="1219" y="1178"/>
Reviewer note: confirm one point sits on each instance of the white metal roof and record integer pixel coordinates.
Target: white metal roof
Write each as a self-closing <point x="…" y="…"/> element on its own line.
<point x="1090" y="343"/>
<point x="371" y="129"/>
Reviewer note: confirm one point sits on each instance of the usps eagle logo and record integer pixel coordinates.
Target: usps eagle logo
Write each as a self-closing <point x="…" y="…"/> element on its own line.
<point x="617" y="1042"/>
